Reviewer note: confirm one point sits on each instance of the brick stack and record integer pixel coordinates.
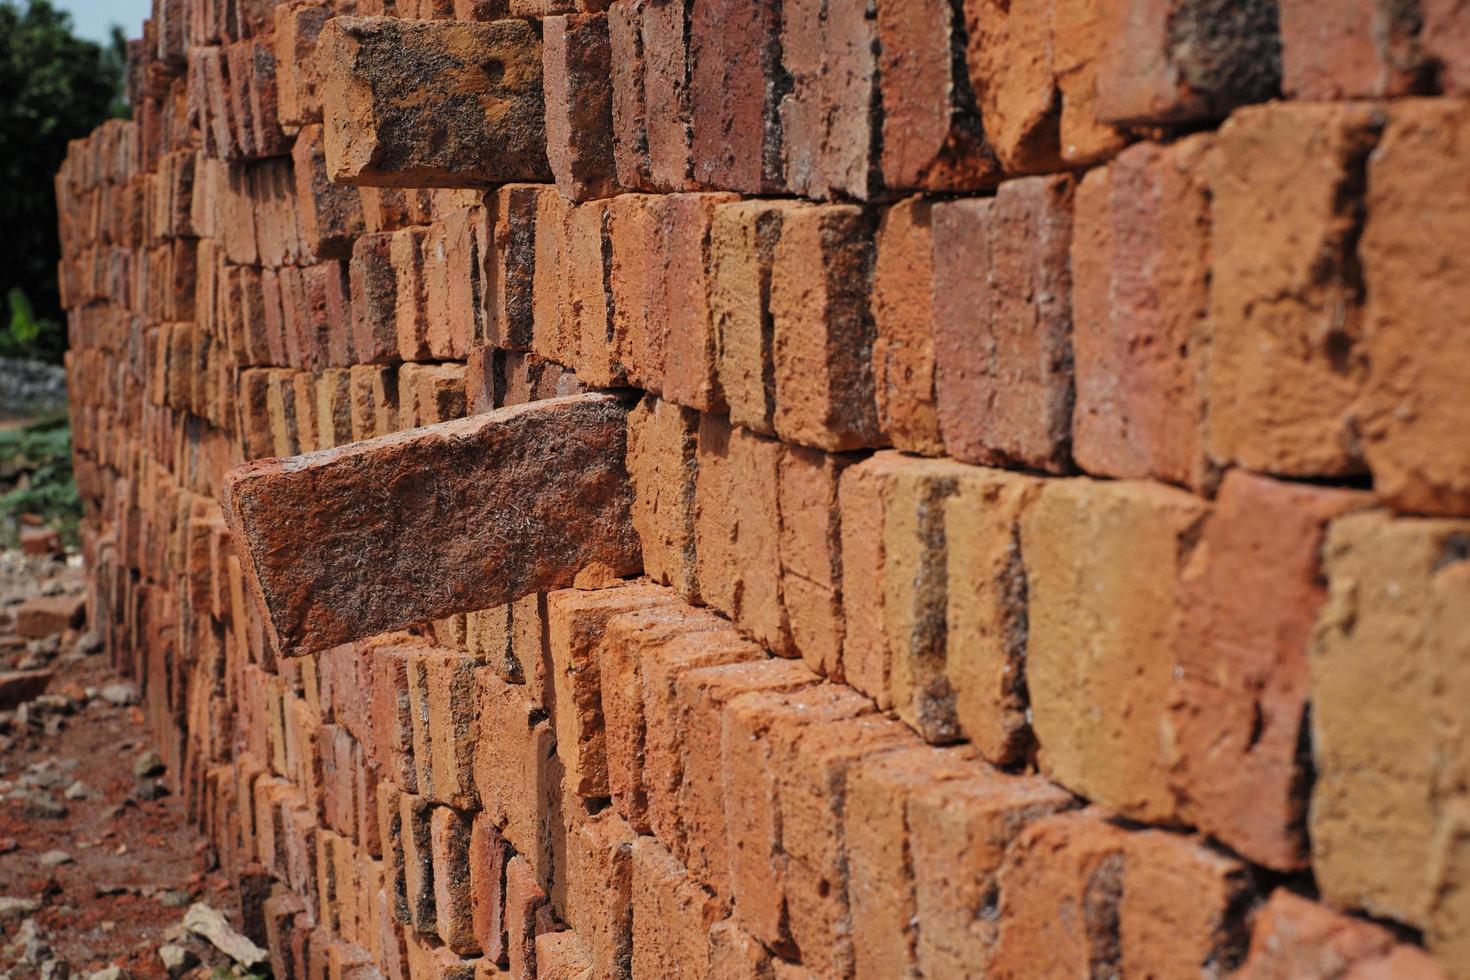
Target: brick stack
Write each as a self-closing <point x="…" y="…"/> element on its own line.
<point x="1051" y="475"/>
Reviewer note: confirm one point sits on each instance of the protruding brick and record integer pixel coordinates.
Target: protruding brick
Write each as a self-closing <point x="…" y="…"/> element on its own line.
<point x="432" y="104"/>
<point x="1285" y="361"/>
<point x="313" y="586"/>
<point x="1296" y="937"/>
<point x="1102" y="567"/>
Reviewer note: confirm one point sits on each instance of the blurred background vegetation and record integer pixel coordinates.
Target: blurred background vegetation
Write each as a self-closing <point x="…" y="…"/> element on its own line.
<point x="54" y="87"/>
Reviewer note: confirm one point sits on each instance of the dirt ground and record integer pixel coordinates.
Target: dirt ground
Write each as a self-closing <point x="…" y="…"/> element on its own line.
<point x="97" y="863"/>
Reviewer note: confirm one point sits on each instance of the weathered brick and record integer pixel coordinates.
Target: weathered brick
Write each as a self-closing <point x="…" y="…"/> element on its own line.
<point x="1388" y="805"/>
<point x="811" y="555"/>
<point x="1141" y="275"/>
<point x="1296" y="937"/>
<point x="487" y="858"/>
<point x="449" y="832"/>
<point x="576" y="622"/>
<point x="1102" y="567"/>
<point x="666" y="93"/>
<point x="734" y="54"/>
<point x="959" y="831"/>
<point x="672" y="915"/>
<point x="661" y="464"/>
<point x="1008" y="53"/>
<point x="823" y="329"/>
<point x="1250" y="595"/>
<point x="1176" y="61"/>
<point x="689" y="339"/>
<point x="331" y="215"/>
<point x="1359" y="49"/>
<point x="1285" y="359"/>
<point x="629" y="102"/>
<point x="1413" y="413"/>
<point x="599" y="904"/>
<point x="743" y="240"/>
<point x="903" y="318"/>
<point x="576" y="61"/>
<point x="418" y="103"/>
<point x="261" y="495"/>
<point x="510" y="266"/>
<point x="1003" y="324"/>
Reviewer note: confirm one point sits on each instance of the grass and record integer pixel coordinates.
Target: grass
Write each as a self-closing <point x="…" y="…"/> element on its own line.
<point x="36" y="478"/>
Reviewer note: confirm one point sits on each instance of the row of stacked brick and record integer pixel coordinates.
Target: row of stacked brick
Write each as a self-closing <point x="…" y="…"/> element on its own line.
<point x="1064" y="579"/>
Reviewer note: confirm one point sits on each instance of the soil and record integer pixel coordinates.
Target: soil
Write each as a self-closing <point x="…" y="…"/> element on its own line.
<point x="134" y="863"/>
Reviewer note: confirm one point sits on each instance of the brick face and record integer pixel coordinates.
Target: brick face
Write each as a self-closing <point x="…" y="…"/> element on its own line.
<point x="646" y="488"/>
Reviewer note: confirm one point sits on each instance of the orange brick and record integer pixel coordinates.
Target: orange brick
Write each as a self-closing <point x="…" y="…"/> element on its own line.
<point x="903" y="316"/>
<point x="449" y="833"/>
<point x="672" y="915"/>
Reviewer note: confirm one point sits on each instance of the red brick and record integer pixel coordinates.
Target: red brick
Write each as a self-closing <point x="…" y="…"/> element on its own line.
<point x="450" y="843"/>
<point x="599" y="905"/>
<point x="759" y="744"/>
<point x="734" y="51"/>
<point x="959" y="831"/>
<point x="441" y="696"/>
<point x="518" y="775"/>
<point x="588" y="320"/>
<point x="867" y="663"/>
<point x="811" y="555"/>
<point x="665" y="660"/>
<point x="903" y="316"/>
<point x="672" y="915"/>
<point x="527" y="915"/>
<point x="743" y="240"/>
<point x="629" y="104"/>
<point x="1285" y="363"/>
<point x="1356" y="50"/>
<point x="1002" y="286"/>
<point x="258" y="495"/>
<point x="374" y="284"/>
<point x="1172" y="61"/>
<point x="331" y="215"/>
<point x="399" y="110"/>
<point x="298" y="83"/>
<point x="636" y="279"/>
<point x="576" y="61"/>
<point x="1296" y="937"/>
<point x="1140" y="267"/>
<point x="932" y="137"/>
<point x="561" y="956"/>
<point x="803" y="125"/>
<point x="885" y="923"/>
<point x="661" y="463"/>
<point x="621" y="656"/>
<point x="576" y="622"/>
<point x="1413" y="414"/>
<point x="415" y="816"/>
<point x="1060" y="886"/>
<point x="666" y="94"/>
<point x="553" y="337"/>
<point x="1079" y="43"/>
<point x="1103" y="636"/>
<point x="1008" y="53"/>
<point x="687" y="329"/>
<point x="1183" y="903"/>
<point x="1446" y="38"/>
<point x="823" y="329"/>
<point x="1250" y="595"/>
<point x="488" y="855"/>
<point x="510" y="265"/>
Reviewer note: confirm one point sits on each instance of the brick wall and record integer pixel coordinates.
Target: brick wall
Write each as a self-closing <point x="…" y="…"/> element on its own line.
<point x="1052" y="477"/>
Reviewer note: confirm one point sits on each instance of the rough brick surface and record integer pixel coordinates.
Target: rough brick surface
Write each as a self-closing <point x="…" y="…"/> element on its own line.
<point x="587" y="434"/>
<point x="879" y="488"/>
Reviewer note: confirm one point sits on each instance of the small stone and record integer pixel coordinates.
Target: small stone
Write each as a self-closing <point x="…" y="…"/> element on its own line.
<point x="176" y="959"/>
<point x="11" y="906"/>
<point x="211" y="925"/>
<point x="150" y="763"/>
<point x="150" y="789"/>
<point x="173" y="899"/>
<point x="55" y="859"/>
<point x="39" y="806"/>
<point x="77" y="791"/>
<point x="119" y="695"/>
<point x="109" y="973"/>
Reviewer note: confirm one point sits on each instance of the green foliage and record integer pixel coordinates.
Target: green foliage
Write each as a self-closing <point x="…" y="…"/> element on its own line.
<point x="54" y="87"/>
<point x="36" y="460"/>
<point x="29" y="335"/>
